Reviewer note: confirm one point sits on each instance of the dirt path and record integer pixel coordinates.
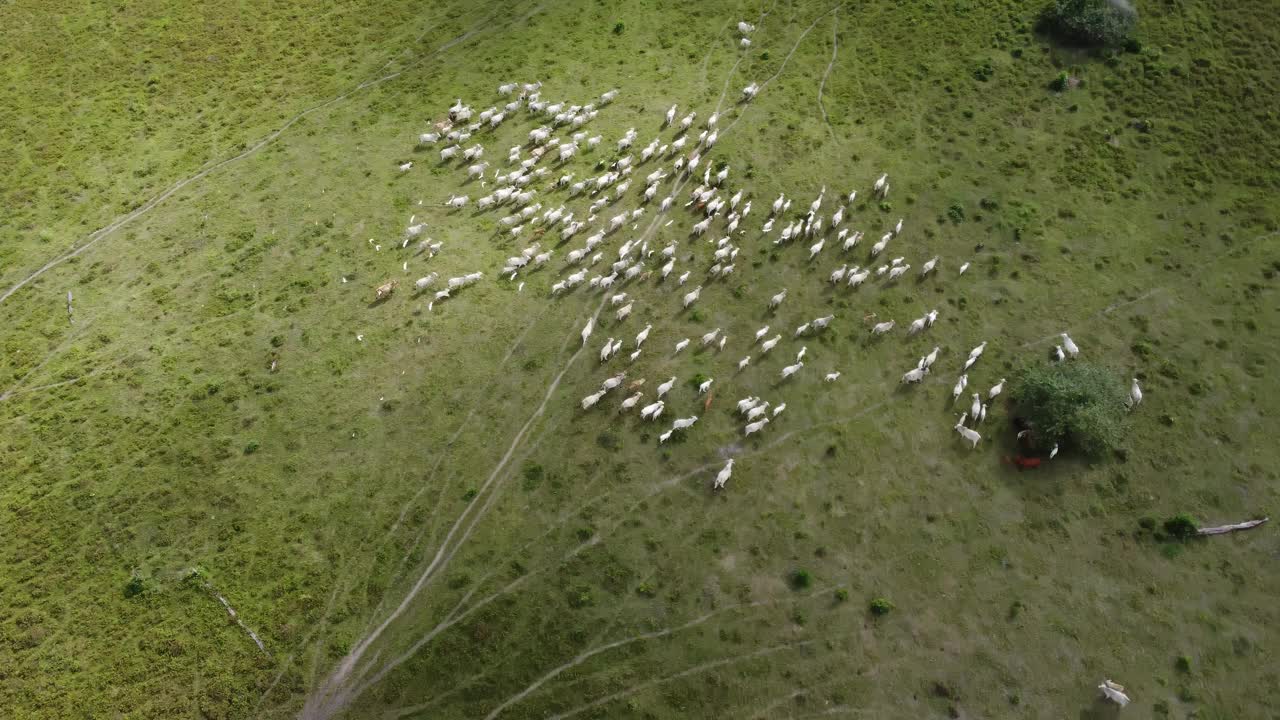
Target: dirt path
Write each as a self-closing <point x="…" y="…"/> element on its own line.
<point x="332" y="697"/>
<point x="676" y="676"/>
<point x="835" y="48"/>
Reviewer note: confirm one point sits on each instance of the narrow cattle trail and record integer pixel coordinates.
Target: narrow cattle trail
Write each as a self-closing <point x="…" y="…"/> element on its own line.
<point x="106" y="231"/>
<point x="588" y="654"/>
<point x="835" y="48"/>
<point x="676" y="676"/>
<point x="332" y="697"/>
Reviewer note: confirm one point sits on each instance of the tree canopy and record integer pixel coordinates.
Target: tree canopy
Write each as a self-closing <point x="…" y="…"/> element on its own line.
<point x="1074" y="403"/>
<point x="1090" y="22"/>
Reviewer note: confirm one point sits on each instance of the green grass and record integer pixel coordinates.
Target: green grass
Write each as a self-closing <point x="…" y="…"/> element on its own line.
<point x="1136" y="209"/>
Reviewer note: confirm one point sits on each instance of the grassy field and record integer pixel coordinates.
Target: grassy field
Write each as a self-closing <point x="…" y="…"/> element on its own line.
<point x="424" y="523"/>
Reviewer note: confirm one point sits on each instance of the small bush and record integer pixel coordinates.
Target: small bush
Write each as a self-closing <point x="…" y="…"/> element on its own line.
<point x="580" y="597"/>
<point x="880" y="607"/>
<point x="646" y="590"/>
<point x="251" y="448"/>
<point x="1182" y="664"/>
<point x="533" y="475"/>
<point x="801" y="579"/>
<point x="607" y="440"/>
<point x="842" y="595"/>
<point x="1015" y="609"/>
<point x="1060" y="83"/>
<point x="956" y="213"/>
<point x="619" y="28"/>
<point x="1181" y="527"/>
<point x="134" y="587"/>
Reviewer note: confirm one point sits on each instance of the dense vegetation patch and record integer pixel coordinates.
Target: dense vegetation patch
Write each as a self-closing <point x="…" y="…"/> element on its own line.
<point x="1074" y="402"/>
<point x="1090" y="22"/>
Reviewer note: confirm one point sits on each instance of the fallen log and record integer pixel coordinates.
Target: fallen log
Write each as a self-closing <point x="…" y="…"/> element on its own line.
<point x="1223" y="529"/>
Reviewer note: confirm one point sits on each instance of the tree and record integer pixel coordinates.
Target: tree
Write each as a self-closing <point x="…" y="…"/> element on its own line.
<point x="1090" y="22"/>
<point x="1073" y="402"/>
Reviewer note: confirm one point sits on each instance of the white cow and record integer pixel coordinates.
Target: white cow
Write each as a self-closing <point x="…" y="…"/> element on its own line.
<point x="1113" y="692"/>
<point x="630" y="402"/>
<point x="724" y="475"/>
<point x="652" y="411"/>
<point x="692" y="296"/>
<point x="971" y="436"/>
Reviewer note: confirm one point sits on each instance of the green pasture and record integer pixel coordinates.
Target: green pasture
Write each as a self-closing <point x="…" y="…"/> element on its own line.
<point x="423" y="523"/>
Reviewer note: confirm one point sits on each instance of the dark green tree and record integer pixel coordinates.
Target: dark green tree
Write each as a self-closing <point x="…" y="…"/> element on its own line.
<point x="1073" y="403"/>
<point x="1090" y="22"/>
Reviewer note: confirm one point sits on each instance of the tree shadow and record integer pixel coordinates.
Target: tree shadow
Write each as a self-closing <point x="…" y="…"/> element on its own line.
<point x="1101" y="709"/>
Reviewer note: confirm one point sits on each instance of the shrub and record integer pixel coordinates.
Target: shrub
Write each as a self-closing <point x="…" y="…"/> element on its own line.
<point x="251" y="448"/>
<point x="134" y="587"/>
<point x="801" y="579"/>
<point x="533" y="475"/>
<point x="1076" y="402"/>
<point x="881" y="607"/>
<point x="956" y="213"/>
<point x="842" y="595"/>
<point x="1060" y="83"/>
<point x="1090" y="22"/>
<point x="1181" y="527"/>
<point x="618" y="28"/>
<point x="1182" y="664"/>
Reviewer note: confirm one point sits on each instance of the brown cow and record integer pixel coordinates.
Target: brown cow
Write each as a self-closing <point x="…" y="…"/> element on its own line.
<point x="384" y="290"/>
